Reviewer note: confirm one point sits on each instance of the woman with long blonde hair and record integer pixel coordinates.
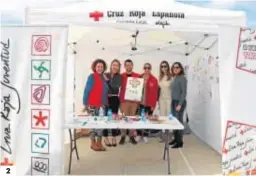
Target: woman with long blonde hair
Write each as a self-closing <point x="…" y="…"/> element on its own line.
<point x="114" y="81"/>
<point x="165" y="79"/>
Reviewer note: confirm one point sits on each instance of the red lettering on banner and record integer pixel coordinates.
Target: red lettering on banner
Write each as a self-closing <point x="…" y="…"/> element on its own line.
<point x="249" y="55"/>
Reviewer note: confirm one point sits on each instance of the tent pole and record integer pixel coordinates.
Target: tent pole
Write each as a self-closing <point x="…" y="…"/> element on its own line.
<point x="26" y="16"/>
<point x="74" y="80"/>
<point x="215" y="41"/>
<point x="198" y="43"/>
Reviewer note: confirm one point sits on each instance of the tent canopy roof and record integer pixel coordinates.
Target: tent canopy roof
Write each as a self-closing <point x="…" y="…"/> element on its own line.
<point x="146" y="5"/>
<point x="79" y="13"/>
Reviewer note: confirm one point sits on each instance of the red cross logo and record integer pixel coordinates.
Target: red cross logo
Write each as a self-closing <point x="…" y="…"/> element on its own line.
<point x="40" y="118"/>
<point x="96" y="15"/>
<point x="6" y="162"/>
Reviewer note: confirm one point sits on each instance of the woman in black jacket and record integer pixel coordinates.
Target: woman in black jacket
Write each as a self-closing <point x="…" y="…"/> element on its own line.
<point x="114" y="80"/>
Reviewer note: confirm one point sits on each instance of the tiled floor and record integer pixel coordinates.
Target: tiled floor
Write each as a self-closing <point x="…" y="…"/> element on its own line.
<point x="195" y="158"/>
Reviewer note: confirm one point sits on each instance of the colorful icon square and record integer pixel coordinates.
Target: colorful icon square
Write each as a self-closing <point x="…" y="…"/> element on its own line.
<point x="40" y="119"/>
<point x="40" y="94"/>
<point x="39" y="166"/>
<point x="40" y="70"/>
<point x="40" y="143"/>
<point x="41" y="45"/>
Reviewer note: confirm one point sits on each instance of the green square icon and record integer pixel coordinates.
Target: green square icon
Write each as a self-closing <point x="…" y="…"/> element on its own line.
<point x="40" y="69"/>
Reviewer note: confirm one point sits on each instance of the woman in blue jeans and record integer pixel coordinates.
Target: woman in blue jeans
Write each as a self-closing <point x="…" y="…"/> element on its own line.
<point x="178" y="104"/>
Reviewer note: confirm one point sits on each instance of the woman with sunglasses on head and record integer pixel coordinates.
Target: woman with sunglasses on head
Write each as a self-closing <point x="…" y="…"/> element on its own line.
<point x="178" y="105"/>
<point x="95" y="97"/>
<point x="149" y="97"/>
<point x="165" y="80"/>
<point x="114" y="81"/>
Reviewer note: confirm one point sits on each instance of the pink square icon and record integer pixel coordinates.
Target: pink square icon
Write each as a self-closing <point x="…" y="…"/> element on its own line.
<point x="40" y="94"/>
<point x="41" y="45"/>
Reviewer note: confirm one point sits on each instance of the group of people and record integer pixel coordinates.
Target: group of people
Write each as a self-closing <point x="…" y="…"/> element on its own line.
<point x="108" y="90"/>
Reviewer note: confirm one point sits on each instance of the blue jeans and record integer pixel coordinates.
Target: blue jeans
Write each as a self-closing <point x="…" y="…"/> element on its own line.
<point x="178" y="134"/>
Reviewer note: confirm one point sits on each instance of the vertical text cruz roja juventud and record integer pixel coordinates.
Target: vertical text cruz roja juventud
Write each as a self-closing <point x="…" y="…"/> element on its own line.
<point x="10" y="98"/>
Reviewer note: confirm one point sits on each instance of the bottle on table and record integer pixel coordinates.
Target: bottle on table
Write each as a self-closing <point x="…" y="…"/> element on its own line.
<point x="101" y="112"/>
<point x="110" y="115"/>
<point x="170" y="116"/>
<point x="143" y="115"/>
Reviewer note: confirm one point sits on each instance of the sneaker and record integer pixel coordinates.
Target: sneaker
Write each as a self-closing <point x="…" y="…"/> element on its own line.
<point x="173" y="142"/>
<point x="132" y="140"/>
<point x="177" y="145"/>
<point x="122" y="141"/>
<point x="138" y="138"/>
<point x="145" y="139"/>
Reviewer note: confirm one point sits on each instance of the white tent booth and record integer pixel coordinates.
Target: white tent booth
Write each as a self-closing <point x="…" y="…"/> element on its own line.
<point x="204" y="40"/>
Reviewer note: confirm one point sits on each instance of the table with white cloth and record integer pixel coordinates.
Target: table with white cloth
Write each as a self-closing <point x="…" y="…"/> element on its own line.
<point x="91" y="122"/>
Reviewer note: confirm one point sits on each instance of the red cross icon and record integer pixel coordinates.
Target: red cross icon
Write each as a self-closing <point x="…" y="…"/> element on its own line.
<point x="96" y="15"/>
<point x="6" y="162"/>
<point x="40" y="118"/>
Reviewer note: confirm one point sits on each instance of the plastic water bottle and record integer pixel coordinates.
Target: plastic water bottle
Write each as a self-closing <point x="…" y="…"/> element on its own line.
<point x="109" y="113"/>
<point x="143" y="116"/>
<point x="170" y="116"/>
<point x="101" y="112"/>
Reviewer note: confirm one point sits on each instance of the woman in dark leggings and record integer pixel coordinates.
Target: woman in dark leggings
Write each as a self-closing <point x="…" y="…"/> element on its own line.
<point x="178" y="105"/>
<point x="114" y="81"/>
<point x="149" y="98"/>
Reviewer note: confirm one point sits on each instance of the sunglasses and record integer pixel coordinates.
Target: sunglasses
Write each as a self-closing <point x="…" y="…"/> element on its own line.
<point x="163" y="66"/>
<point x="147" y="68"/>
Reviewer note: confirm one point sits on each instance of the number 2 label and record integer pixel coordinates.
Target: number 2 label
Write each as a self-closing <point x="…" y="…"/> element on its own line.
<point x="7" y="170"/>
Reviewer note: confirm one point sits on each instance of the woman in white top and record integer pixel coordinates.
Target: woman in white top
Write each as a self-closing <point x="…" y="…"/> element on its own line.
<point x="164" y="101"/>
<point x="165" y="79"/>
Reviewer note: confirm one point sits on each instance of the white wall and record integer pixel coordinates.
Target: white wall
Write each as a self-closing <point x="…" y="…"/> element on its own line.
<point x="204" y="109"/>
<point x="237" y="86"/>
